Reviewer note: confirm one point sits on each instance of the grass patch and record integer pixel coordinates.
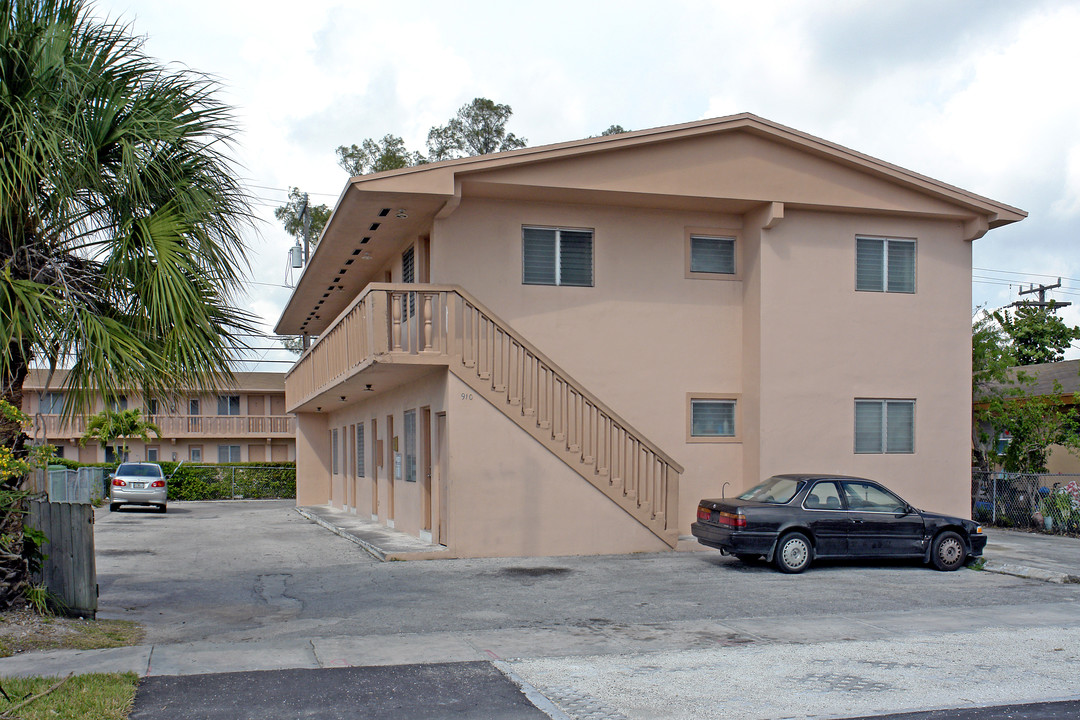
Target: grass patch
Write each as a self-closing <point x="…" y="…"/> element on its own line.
<point x="977" y="563"/>
<point x="102" y="696"/>
<point x="22" y="631"/>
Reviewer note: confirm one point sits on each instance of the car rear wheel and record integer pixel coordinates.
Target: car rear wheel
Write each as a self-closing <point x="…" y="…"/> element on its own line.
<point x="794" y="553"/>
<point x="163" y="508"/>
<point x="949" y="551"/>
<point x="113" y="507"/>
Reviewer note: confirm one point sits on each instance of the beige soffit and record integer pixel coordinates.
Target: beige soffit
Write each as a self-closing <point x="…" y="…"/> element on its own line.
<point x="758" y="161"/>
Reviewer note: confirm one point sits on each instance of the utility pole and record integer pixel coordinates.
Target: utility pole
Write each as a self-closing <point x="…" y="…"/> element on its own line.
<point x="1042" y="302"/>
<point x="305" y="219"/>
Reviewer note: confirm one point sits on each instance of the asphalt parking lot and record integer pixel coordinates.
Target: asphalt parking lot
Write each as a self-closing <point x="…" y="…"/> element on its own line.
<point x="256" y="571"/>
<point x="253" y="586"/>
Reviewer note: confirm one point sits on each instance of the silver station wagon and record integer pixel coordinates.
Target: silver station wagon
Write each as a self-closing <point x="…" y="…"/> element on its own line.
<point x="139" y="484"/>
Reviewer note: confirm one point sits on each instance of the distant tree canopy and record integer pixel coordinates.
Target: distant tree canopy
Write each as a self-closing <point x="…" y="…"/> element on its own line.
<point x="372" y="156"/>
<point x="614" y="130"/>
<point x="1005" y="404"/>
<point x="1037" y="334"/>
<point x="478" y="128"/>
<point x="291" y="216"/>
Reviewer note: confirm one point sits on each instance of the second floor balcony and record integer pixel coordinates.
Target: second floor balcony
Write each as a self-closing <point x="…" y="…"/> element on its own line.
<point x="186" y="426"/>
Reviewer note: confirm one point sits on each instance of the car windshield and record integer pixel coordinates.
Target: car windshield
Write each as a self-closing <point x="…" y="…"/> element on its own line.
<point x="139" y="470"/>
<point x="777" y="490"/>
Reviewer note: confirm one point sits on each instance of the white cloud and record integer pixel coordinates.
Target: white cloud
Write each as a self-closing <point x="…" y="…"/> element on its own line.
<point x="979" y="95"/>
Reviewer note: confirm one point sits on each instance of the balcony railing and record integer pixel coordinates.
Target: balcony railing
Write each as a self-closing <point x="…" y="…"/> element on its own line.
<point x="187" y="426"/>
<point x="444" y="325"/>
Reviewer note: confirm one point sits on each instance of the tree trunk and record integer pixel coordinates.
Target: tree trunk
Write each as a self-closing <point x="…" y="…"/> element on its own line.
<point x="14" y="565"/>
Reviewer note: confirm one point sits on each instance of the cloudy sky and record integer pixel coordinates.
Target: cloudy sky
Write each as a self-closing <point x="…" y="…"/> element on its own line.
<point x="981" y="94"/>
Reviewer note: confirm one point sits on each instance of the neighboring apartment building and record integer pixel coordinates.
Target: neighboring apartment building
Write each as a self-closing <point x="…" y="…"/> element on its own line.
<point x="245" y="423"/>
<point x="561" y="349"/>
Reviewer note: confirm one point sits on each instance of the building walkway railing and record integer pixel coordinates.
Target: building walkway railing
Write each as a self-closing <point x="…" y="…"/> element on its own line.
<point x="186" y="426"/>
<point x="445" y="325"/>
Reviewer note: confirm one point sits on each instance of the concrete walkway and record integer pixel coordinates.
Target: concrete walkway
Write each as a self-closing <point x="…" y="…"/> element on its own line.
<point x="405" y="649"/>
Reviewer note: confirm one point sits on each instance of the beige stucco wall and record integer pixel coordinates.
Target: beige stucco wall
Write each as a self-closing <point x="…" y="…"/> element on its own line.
<point x="640" y="339"/>
<point x="790" y="337"/>
<point x="504" y="493"/>
<point x="312" y="459"/>
<point x="354" y="493"/>
<point x="510" y="496"/>
<point x="824" y="345"/>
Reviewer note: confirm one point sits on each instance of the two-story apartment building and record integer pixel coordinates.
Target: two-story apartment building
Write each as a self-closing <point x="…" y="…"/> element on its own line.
<point x="247" y="422"/>
<point x="561" y="349"/>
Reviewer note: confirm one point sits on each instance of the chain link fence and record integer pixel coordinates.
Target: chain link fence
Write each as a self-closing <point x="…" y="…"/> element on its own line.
<point x="1027" y="501"/>
<point x="62" y="485"/>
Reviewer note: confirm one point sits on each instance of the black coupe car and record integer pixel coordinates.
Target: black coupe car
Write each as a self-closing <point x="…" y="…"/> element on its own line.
<point x="792" y="519"/>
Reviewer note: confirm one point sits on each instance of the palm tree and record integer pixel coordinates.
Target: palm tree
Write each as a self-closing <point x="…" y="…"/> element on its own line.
<point x="121" y="219"/>
<point x="108" y="426"/>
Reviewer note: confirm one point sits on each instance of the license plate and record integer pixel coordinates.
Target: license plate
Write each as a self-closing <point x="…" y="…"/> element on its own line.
<point x="138" y="485"/>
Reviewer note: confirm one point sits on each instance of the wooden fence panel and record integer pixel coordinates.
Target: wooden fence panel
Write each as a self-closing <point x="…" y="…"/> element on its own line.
<point x="68" y="570"/>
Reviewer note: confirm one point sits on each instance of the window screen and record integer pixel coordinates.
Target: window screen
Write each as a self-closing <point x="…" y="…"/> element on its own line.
<point x="885" y="265"/>
<point x="334" y="450"/>
<point x="712" y="255"/>
<point x="410" y="446"/>
<point x="712" y="418"/>
<point x="884" y="426"/>
<point x="557" y="257"/>
<point x="360" y="450"/>
<point x="408" y="275"/>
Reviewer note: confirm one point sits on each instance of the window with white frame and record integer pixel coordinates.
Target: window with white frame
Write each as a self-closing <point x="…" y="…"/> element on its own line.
<point x="152" y="453"/>
<point x="884" y="265"/>
<point x="410" y="446"/>
<point x="195" y="453"/>
<point x="884" y="426"/>
<point x="714" y="255"/>
<point x="557" y="256"/>
<point x="360" y="450"/>
<point x="228" y="453"/>
<point x="712" y="418"/>
<point x="193" y="407"/>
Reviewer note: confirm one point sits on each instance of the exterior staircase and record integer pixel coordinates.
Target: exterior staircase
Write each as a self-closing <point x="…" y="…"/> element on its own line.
<point x="444" y="325"/>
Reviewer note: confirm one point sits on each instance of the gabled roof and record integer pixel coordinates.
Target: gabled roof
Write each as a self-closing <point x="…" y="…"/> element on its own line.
<point x="731" y="164"/>
<point x="1065" y="373"/>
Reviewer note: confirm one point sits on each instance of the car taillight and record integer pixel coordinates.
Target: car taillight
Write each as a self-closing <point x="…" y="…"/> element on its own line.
<point x="704" y="514"/>
<point x="119" y="483"/>
<point x="735" y="519"/>
<point x="158" y="483"/>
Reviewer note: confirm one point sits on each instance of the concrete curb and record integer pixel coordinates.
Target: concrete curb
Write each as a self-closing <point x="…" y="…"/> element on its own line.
<point x="372" y="550"/>
<point x="1030" y="573"/>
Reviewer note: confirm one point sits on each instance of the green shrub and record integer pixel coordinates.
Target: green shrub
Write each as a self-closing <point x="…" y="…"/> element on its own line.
<point x="253" y="481"/>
